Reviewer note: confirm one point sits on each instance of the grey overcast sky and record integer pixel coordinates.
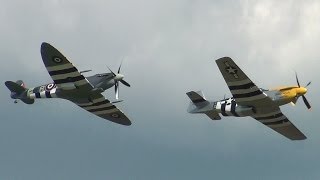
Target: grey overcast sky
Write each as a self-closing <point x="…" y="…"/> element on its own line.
<point x="169" y="47"/>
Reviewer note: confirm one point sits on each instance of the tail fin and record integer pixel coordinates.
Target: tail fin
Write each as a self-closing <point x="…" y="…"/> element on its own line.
<point x="21" y="83"/>
<point x="17" y="87"/>
<point x="197" y="98"/>
<point x="199" y="104"/>
<point x="18" y="91"/>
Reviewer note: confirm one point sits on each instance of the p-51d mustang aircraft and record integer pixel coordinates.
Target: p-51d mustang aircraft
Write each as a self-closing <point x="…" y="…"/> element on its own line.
<point x="249" y="100"/>
<point x="69" y="83"/>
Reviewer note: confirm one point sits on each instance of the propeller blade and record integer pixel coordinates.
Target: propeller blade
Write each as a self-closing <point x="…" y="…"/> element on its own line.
<point x="308" y="84"/>
<point x="116" y="88"/>
<point x="120" y="65"/>
<point x="125" y="83"/>
<point x="306" y="102"/>
<point x="116" y="101"/>
<point x="85" y="71"/>
<point x="119" y="68"/>
<point x="111" y="71"/>
<point x="297" y="79"/>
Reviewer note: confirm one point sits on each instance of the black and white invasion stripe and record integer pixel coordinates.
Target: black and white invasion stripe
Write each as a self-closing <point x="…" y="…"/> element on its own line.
<point x="223" y="109"/>
<point x="227" y="107"/>
<point x="35" y="93"/>
<point x="245" y="90"/>
<point x="233" y="108"/>
<point x="66" y="73"/>
<point x="273" y="119"/>
<point x="99" y="106"/>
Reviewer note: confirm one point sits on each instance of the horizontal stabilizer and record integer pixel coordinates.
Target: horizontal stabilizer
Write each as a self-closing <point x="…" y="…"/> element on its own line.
<point x="28" y="101"/>
<point x="213" y="115"/>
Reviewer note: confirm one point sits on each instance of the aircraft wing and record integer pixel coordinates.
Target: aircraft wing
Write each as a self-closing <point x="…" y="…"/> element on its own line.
<point x="280" y="123"/>
<point x="63" y="73"/>
<point x="103" y="108"/>
<point x="243" y="90"/>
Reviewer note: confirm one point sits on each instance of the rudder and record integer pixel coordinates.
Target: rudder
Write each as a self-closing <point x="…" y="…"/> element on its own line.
<point x="18" y="91"/>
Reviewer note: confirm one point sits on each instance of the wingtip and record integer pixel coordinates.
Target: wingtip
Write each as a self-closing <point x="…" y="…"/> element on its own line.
<point x="299" y="138"/>
<point x="302" y="138"/>
<point x="190" y="92"/>
<point x="45" y="45"/>
<point x="223" y="58"/>
<point x="128" y="123"/>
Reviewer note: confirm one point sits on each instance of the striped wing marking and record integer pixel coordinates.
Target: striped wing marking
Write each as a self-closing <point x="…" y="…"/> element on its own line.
<point x="280" y="123"/>
<point x="244" y="91"/>
<point x="63" y="73"/>
<point x="103" y="108"/>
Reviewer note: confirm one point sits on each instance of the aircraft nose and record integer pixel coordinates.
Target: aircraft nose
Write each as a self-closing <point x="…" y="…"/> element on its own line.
<point x="119" y="77"/>
<point x="302" y="90"/>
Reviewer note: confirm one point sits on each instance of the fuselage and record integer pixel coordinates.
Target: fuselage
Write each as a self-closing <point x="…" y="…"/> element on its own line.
<point x="280" y="96"/>
<point x="100" y="82"/>
<point x="104" y="81"/>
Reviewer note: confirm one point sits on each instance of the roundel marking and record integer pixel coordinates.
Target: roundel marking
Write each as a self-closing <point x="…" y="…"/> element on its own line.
<point x="115" y="115"/>
<point x="56" y="59"/>
<point x="50" y="86"/>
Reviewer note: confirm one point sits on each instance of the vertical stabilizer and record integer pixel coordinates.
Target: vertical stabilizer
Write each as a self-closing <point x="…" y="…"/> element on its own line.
<point x="199" y="104"/>
<point x="14" y="87"/>
<point x="197" y="98"/>
<point x="18" y="91"/>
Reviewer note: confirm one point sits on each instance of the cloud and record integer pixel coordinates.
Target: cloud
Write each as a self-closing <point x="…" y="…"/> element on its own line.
<point x="169" y="48"/>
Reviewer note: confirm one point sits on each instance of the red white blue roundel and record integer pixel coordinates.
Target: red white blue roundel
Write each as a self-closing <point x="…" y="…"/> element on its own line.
<point x="50" y="86"/>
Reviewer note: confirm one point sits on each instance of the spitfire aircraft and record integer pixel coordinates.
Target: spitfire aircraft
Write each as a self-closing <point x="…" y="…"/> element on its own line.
<point x="70" y="84"/>
<point x="249" y="100"/>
